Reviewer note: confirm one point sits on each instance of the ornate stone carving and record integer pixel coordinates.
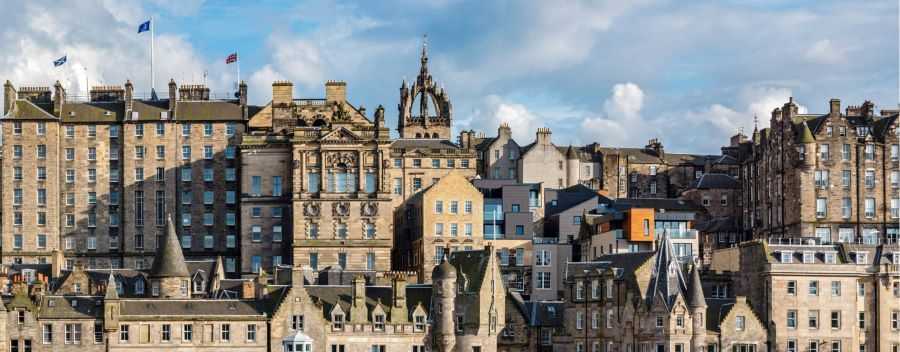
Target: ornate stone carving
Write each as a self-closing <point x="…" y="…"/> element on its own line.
<point x="311" y="209"/>
<point x="348" y="159"/>
<point x="341" y="208"/>
<point x="369" y="209"/>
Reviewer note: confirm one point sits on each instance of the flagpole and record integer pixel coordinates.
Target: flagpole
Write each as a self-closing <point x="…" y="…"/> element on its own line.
<point x="238" y="67"/>
<point x="152" y="39"/>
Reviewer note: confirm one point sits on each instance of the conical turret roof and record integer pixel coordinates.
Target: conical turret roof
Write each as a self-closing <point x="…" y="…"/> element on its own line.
<point x="806" y="135"/>
<point x="695" y="298"/>
<point x="169" y="261"/>
<point x="112" y="290"/>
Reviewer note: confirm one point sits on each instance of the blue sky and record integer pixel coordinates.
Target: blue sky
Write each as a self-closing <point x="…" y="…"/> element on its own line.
<point x="617" y="73"/>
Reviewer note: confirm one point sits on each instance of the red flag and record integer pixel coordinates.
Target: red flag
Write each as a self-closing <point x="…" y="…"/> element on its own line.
<point x="231" y="58"/>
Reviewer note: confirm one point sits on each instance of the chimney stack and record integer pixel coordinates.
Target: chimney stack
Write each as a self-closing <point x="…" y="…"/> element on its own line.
<point x="173" y="90"/>
<point x="335" y="91"/>
<point x="248" y="289"/>
<point x="543" y="136"/>
<point x="835" y="107"/>
<point x="398" y="306"/>
<point x="129" y="96"/>
<point x="9" y="96"/>
<point x="59" y="98"/>
<point x="282" y="93"/>
<point x="242" y="91"/>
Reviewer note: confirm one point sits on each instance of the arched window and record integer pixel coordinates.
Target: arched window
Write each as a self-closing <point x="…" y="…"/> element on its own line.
<point x="434" y="135"/>
<point x="319" y="123"/>
<point x="418" y="135"/>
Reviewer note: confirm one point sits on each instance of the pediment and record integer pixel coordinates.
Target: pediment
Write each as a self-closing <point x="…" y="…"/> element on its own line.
<point x="341" y="135"/>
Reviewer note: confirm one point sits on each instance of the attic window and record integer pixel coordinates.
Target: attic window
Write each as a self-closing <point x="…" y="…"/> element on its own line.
<point x="787" y="257"/>
<point x="419" y="323"/>
<point x="107" y="113"/>
<point x="71" y="113"/>
<point x="337" y="322"/>
<point x="379" y="322"/>
<point x="163" y="115"/>
<point x="74" y="303"/>
<point x="51" y="303"/>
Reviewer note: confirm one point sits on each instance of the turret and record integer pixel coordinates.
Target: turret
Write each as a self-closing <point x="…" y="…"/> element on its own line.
<point x="111" y="305"/>
<point x="697" y="305"/>
<point x="169" y="276"/>
<point x="806" y="145"/>
<point x="443" y="300"/>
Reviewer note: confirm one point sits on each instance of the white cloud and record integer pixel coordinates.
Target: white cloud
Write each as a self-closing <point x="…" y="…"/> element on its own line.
<point x="626" y="101"/>
<point x="825" y="52"/>
<point x="494" y="110"/>
<point x="100" y="41"/>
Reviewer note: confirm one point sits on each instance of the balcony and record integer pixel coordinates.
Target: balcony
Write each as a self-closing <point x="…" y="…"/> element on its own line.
<point x="677" y="235"/>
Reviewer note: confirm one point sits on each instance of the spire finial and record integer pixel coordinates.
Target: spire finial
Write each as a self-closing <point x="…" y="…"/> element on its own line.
<point x="424" y="48"/>
<point x="755" y="121"/>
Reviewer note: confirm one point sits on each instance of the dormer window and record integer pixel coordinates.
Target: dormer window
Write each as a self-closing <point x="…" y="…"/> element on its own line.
<point x="139" y="287"/>
<point x="419" y="323"/>
<point x="862" y="257"/>
<point x="154" y="288"/>
<point x="337" y="322"/>
<point x="20" y="317"/>
<point x="809" y="257"/>
<point x="120" y="287"/>
<point x="379" y="322"/>
<point x="895" y="257"/>
<point x="76" y="288"/>
<point x="830" y="258"/>
<point x="787" y="257"/>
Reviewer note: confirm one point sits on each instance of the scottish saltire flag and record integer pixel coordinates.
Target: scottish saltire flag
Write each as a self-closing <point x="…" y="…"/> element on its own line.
<point x="144" y="27"/>
<point x="59" y="62"/>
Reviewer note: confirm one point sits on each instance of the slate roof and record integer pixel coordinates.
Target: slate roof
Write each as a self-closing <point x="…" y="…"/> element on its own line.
<point x="722" y="224"/>
<point x="169" y="260"/>
<point x="471" y="265"/>
<point x="101" y="111"/>
<point x="193" y="307"/>
<point x="545" y="313"/>
<point x="71" y="307"/>
<point x="715" y="181"/>
<point x="716" y="310"/>
<point x="24" y="109"/>
<point x="342" y="295"/>
<point x="208" y="111"/>
<point x="150" y="110"/>
<point x="411" y="143"/>
<point x="673" y="204"/>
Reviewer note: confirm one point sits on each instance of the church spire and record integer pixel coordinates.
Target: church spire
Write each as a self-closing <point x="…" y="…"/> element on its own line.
<point x="424" y="59"/>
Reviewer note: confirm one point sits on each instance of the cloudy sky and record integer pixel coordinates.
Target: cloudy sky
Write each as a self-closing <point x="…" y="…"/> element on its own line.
<point x="613" y="72"/>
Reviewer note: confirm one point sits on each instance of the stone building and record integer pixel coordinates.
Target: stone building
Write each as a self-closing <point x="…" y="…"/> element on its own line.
<point x="833" y="176"/>
<point x="812" y="296"/>
<point x="647" y="301"/>
<point x="337" y="162"/>
<point x="95" y="176"/>
<point x="446" y="215"/>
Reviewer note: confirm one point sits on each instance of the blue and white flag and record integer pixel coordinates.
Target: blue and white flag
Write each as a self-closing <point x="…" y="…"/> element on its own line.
<point x="59" y="62"/>
<point x="144" y="27"/>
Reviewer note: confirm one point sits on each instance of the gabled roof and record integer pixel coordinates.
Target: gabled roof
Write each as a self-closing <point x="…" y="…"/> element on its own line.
<point x="24" y="109"/>
<point x="674" y="204"/>
<point x="716" y="181"/>
<point x="331" y="295"/>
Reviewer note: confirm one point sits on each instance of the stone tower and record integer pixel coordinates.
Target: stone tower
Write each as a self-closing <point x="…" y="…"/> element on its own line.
<point x="169" y="276"/>
<point x="443" y="331"/>
<point x="697" y="306"/>
<point x="433" y="116"/>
